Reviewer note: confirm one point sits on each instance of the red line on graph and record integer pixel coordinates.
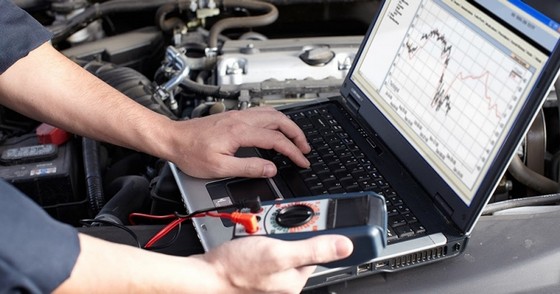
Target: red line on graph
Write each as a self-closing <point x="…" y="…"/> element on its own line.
<point x="441" y="97"/>
<point x="484" y="79"/>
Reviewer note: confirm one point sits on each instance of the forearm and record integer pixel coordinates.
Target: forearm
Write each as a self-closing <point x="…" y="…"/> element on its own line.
<point x="105" y="267"/>
<point x="48" y="87"/>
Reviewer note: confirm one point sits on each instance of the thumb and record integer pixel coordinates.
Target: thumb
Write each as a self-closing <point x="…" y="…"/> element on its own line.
<point x="318" y="250"/>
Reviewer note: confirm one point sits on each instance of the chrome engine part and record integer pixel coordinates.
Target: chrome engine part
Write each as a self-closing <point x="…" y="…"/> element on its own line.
<point x="252" y="61"/>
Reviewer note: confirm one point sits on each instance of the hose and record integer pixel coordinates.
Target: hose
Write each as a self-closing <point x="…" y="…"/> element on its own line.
<point x="96" y="11"/>
<point x="169" y="24"/>
<point x="209" y="90"/>
<point x="521" y="202"/>
<point x="270" y="16"/>
<point x="92" y="169"/>
<point x="129" y="82"/>
<point x="530" y="178"/>
<point x="129" y="195"/>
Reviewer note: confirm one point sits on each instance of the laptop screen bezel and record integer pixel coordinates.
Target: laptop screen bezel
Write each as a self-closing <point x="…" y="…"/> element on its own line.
<point x="464" y="216"/>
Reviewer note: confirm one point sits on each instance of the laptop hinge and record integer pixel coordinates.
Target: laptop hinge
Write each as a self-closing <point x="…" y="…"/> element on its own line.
<point x="352" y="104"/>
<point x="443" y="205"/>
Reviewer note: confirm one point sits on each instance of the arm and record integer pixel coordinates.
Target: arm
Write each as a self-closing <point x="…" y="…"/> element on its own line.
<point x="105" y="267"/>
<point x="48" y="87"/>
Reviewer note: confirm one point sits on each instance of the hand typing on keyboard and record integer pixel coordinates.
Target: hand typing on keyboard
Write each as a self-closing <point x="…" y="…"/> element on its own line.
<point x="208" y="144"/>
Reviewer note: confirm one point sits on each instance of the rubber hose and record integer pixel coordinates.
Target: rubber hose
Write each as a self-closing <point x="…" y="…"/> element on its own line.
<point x="129" y="195"/>
<point x="96" y="11"/>
<point x="92" y="169"/>
<point x="208" y="90"/>
<point x="269" y="17"/>
<point x="521" y="202"/>
<point x="169" y="24"/>
<point x="131" y="83"/>
<point x="530" y="178"/>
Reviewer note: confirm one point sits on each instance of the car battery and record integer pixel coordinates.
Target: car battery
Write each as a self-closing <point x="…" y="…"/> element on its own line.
<point x="46" y="173"/>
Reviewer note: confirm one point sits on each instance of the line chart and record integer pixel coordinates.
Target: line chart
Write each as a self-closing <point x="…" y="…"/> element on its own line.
<point x="455" y="89"/>
<point x="441" y="96"/>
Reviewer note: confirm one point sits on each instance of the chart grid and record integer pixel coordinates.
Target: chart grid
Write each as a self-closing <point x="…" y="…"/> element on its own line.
<point x="455" y="89"/>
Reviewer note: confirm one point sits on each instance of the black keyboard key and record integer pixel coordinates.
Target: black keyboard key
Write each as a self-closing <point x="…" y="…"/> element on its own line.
<point x="320" y="169"/>
<point x="352" y="188"/>
<point x="396" y="221"/>
<point x="319" y="123"/>
<point x="403" y="209"/>
<point x="367" y="184"/>
<point x="318" y="191"/>
<point x="391" y="211"/>
<point x="282" y="162"/>
<point x="404" y="231"/>
<point x="382" y="183"/>
<point x="326" y="177"/>
<point x="410" y="218"/>
<point x="295" y="182"/>
<point x="391" y="235"/>
<point x="394" y="199"/>
<point x="418" y="228"/>
<point x="336" y="190"/>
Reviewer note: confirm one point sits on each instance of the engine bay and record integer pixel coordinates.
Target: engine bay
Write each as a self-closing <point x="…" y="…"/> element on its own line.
<point x="193" y="58"/>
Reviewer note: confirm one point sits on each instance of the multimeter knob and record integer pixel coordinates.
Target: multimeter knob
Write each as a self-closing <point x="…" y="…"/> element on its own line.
<point x="294" y="216"/>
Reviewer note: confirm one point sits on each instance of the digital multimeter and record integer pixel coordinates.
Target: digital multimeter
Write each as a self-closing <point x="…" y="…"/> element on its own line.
<point x="361" y="216"/>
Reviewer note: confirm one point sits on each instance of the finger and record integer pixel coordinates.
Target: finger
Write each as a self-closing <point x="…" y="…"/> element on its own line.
<point x="270" y="118"/>
<point x="317" y="250"/>
<point x="252" y="167"/>
<point x="270" y="139"/>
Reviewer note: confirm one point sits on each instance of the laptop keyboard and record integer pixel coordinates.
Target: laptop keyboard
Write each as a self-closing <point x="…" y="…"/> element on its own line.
<point x="338" y="166"/>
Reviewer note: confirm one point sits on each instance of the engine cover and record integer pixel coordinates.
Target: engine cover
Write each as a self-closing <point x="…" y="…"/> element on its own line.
<point x="253" y="61"/>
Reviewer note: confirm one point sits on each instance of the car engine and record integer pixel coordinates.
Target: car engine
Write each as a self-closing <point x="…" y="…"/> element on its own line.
<point x="193" y="58"/>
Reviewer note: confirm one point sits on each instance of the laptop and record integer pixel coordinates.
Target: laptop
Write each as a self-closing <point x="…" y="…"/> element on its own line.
<point x="435" y="106"/>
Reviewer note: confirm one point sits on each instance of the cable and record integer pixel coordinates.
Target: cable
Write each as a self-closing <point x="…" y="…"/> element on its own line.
<point x="148" y="216"/>
<point x="254" y="206"/>
<point x="164" y="232"/>
<point x="248" y="220"/>
<point x="173" y="239"/>
<point x="92" y="222"/>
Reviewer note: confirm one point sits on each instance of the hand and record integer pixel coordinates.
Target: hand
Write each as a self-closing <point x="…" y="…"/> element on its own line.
<point x="262" y="264"/>
<point x="205" y="147"/>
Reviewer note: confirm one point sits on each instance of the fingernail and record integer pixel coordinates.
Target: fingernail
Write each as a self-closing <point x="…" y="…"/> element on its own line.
<point x="268" y="171"/>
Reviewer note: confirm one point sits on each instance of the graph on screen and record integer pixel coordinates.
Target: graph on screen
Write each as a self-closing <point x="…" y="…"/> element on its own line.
<point x="454" y="89"/>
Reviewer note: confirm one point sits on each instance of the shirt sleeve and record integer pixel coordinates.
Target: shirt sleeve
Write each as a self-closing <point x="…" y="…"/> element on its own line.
<point x="37" y="253"/>
<point x="20" y="33"/>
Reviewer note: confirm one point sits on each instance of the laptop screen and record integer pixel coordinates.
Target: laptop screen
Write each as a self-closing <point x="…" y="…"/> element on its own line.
<point x="452" y="80"/>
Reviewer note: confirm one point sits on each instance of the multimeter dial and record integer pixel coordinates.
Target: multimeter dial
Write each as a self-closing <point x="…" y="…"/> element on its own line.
<point x="294" y="216"/>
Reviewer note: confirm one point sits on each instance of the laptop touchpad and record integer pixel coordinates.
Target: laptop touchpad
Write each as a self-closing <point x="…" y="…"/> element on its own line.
<point x="226" y="192"/>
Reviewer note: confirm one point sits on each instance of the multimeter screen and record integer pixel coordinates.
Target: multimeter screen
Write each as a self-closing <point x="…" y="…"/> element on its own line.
<point x="350" y="212"/>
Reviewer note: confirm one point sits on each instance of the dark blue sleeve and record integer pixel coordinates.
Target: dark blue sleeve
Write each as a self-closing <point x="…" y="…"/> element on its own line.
<point x="19" y="34"/>
<point x="37" y="253"/>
